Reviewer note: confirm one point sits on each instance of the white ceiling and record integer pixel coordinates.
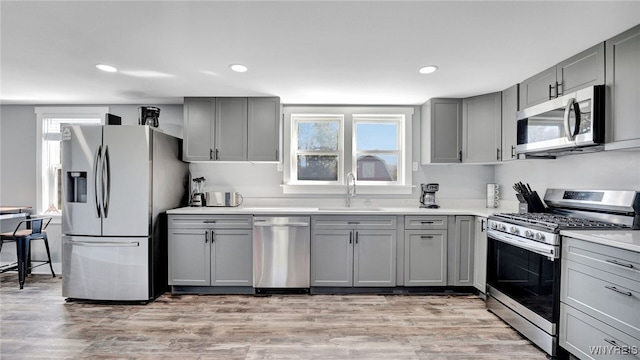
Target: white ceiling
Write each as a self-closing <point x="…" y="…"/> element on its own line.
<point x="306" y="52"/>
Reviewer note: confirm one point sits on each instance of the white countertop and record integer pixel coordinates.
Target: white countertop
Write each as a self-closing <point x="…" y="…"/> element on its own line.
<point x="623" y="239"/>
<point x="335" y="210"/>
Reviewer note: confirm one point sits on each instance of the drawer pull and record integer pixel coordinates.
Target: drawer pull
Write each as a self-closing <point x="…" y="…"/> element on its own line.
<point x="427" y="222"/>
<point x="426" y="236"/>
<point x="611" y="342"/>
<point x="209" y="221"/>
<point x="353" y="222"/>
<point x="613" y="288"/>
<point x="616" y="262"/>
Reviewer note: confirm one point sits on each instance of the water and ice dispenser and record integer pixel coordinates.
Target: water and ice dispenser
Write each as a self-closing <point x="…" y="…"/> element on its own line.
<point x="77" y="186"/>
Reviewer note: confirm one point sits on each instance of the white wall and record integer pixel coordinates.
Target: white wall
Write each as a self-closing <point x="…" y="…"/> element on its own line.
<point x="18" y="167"/>
<point x="612" y="170"/>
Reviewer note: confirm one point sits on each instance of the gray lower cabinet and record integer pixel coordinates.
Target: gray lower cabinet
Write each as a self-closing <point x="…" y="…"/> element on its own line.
<point x="480" y="255"/>
<point x="482" y="128"/>
<point x="600" y="298"/>
<point x="509" y="123"/>
<point x="425" y="250"/>
<point x="425" y="258"/>
<point x="210" y="251"/>
<point x="623" y="80"/>
<point x="357" y="251"/>
<point x="461" y="252"/>
<point x="577" y="72"/>
<point x="441" y="131"/>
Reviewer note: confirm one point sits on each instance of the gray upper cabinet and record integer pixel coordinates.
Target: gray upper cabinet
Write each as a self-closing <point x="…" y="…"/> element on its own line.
<point x="264" y="129"/>
<point x="482" y="128"/>
<point x="199" y="119"/>
<point x="509" y="124"/>
<point x="461" y="252"/>
<point x="538" y="88"/>
<point x="441" y="131"/>
<point x="623" y="80"/>
<point x="231" y="129"/>
<point x="579" y="71"/>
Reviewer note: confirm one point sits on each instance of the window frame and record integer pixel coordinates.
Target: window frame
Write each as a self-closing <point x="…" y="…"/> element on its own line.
<point x="43" y="113"/>
<point x="397" y="119"/>
<point x="289" y="186"/>
<point x="339" y="152"/>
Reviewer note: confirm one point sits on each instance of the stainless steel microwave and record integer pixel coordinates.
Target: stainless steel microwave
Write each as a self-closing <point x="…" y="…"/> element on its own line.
<point x="574" y="122"/>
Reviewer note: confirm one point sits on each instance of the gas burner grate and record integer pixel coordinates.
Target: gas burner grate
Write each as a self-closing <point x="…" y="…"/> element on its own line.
<point x="558" y="221"/>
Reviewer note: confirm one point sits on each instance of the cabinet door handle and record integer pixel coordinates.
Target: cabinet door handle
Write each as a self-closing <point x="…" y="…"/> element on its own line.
<point x="558" y="86"/>
<point x="613" y="288"/>
<point x="616" y="262"/>
<point x="426" y="236"/>
<point x="483" y="225"/>
<point x="206" y="237"/>
<point x="210" y="154"/>
<point x="497" y="153"/>
<point x="350" y="237"/>
<point x="551" y="87"/>
<point x="213" y="236"/>
<point x="460" y="155"/>
<point x="356" y="237"/>
<point x="513" y="151"/>
<point x="217" y="154"/>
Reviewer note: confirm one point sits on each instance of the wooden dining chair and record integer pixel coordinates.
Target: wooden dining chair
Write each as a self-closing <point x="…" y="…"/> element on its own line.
<point x="22" y="237"/>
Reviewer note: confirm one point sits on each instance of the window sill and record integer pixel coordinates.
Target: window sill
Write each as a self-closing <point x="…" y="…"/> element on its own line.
<point x="341" y="189"/>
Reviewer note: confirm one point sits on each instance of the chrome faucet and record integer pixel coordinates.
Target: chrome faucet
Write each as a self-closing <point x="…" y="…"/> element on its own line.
<point x="351" y="189"/>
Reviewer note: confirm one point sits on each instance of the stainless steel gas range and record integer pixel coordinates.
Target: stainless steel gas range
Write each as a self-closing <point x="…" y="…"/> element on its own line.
<point x="523" y="264"/>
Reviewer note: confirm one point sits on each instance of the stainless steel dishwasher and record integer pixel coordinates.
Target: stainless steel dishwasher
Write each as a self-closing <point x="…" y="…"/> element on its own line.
<point x="281" y="253"/>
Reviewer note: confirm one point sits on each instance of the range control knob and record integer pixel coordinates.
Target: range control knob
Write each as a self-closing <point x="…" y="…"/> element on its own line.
<point x="502" y="227"/>
<point x="539" y="236"/>
<point x="528" y="234"/>
<point x="514" y="230"/>
<point x="494" y="225"/>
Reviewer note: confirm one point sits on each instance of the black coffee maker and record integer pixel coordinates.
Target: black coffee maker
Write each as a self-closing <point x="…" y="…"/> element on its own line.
<point x="148" y="115"/>
<point x="428" y="196"/>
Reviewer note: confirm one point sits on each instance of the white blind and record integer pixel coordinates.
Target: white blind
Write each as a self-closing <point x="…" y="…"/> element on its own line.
<point x="51" y="126"/>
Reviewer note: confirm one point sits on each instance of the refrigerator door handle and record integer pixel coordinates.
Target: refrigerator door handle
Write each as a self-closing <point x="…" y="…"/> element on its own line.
<point x="106" y="177"/>
<point x="98" y="160"/>
<point x="105" y="243"/>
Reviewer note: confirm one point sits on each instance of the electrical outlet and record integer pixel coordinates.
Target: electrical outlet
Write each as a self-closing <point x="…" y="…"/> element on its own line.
<point x="415" y="166"/>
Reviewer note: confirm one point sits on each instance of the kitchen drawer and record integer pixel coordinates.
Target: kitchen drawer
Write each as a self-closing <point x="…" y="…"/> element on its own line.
<point x="612" y="299"/>
<point x="621" y="262"/>
<point x="210" y="222"/>
<point x="367" y="222"/>
<point x="425" y="222"/>
<point x="588" y="338"/>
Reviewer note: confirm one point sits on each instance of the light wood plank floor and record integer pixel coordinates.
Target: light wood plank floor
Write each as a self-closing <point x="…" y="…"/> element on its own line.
<point x="38" y="323"/>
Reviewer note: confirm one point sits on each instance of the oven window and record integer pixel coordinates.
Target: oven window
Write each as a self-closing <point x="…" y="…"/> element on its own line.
<point x="528" y="278"/>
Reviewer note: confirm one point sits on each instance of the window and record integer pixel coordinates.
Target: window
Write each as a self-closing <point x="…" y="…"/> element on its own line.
<point x="317" y="148"/>
<point x="50" y="121"/>
<point x="377" y="152"/>
<point x="325" y="143"/>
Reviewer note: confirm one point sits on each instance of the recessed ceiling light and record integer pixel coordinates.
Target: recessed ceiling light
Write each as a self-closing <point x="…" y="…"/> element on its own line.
<point x="107" y="68"/>
<point x="428" y="69"/>
<point x="238" y="68"/>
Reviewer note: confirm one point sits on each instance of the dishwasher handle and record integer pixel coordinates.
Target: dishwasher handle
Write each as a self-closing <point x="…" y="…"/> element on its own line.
<point x="273" y="224"/>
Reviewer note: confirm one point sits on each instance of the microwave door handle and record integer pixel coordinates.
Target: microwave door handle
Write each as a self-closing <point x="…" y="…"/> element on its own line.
<point x="576" y="111"/>
<point x="567" y="128"/>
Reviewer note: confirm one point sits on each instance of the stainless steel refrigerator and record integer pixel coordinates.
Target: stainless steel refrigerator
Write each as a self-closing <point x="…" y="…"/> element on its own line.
<point x="117" y="183"/>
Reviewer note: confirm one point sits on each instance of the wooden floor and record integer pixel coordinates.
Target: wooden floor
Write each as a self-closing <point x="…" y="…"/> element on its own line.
<point x="36" y="322"/>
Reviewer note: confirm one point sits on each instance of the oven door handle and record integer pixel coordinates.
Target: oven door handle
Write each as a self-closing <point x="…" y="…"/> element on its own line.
<point x="550" y="251"/>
